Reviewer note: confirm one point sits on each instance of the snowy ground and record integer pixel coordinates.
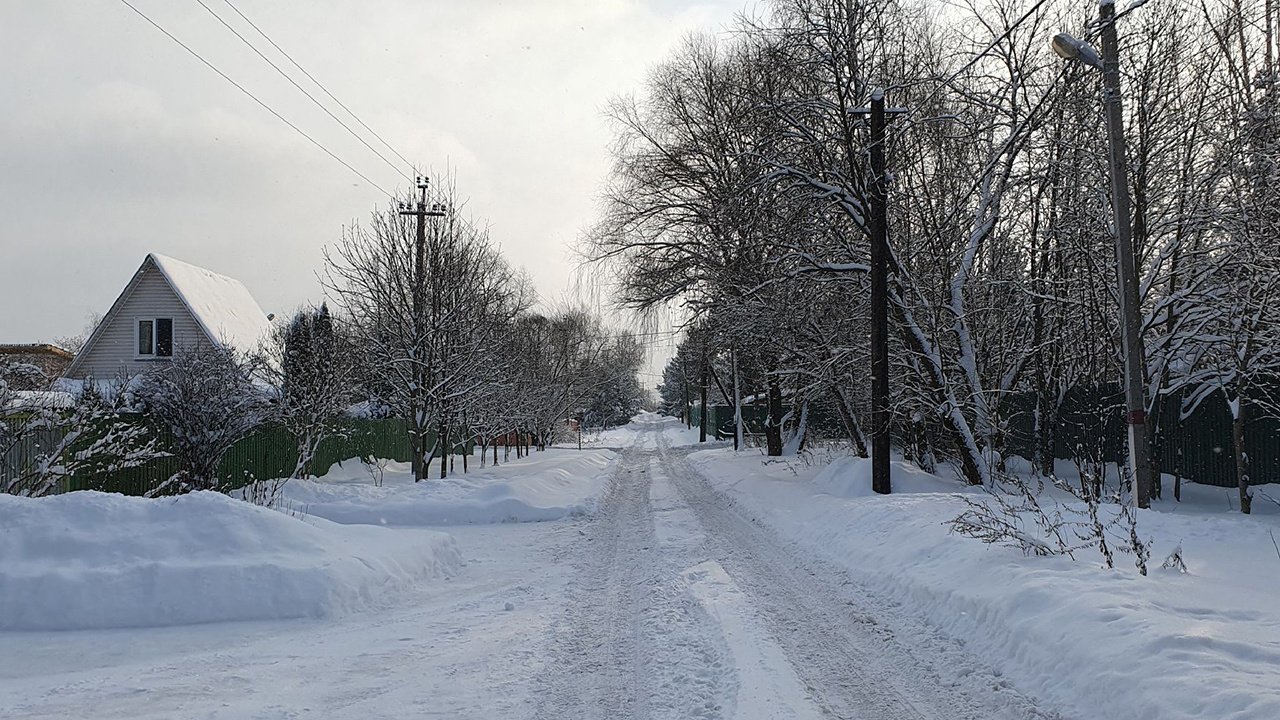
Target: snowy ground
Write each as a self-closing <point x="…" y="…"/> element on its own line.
<point x="684" y="583"/>
<point x="638" y="434"/>
<point x="1087" y="641"/>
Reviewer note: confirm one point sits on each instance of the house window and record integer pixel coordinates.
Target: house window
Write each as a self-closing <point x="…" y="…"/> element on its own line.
<point x="155" y="337"/>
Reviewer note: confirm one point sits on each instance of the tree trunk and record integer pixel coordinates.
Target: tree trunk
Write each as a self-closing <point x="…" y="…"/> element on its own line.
<point x="1155" y="442"/>
<point x="773" y="425"/>
<point x="442" y="442"/>
<point x="1242" y="458"/>
<point x="738" y="439"/>
<point x="972" y="463"/>
<point x="1046" y="427"/>
<point x="418" y="446"/>
<point x="850" y="422"/>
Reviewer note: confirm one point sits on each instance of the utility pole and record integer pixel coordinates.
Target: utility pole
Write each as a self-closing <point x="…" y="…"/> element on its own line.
<point x="1126" y="264"/>
<point x="878" y="230"/>
<point x="421" y="211"/>
<point x="702" y="418"/>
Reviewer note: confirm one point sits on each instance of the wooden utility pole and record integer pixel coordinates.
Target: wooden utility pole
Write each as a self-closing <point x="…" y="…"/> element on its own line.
<point x="878" y="231"/>
<point x="417" y="424"/>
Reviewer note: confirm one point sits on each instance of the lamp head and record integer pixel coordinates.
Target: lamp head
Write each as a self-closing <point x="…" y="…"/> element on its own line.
<point x="1070" y="48"/>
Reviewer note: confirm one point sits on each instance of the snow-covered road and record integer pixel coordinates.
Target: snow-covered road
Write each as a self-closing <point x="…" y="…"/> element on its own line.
<point x="666" y="602"/>
<point x="684" y="608"/>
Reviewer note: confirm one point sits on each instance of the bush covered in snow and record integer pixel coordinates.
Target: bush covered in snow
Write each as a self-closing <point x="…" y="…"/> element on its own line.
<point x="206" y="400"/>
<point x="42" y="444"/>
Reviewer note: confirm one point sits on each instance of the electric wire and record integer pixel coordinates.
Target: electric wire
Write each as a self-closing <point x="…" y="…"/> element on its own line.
<point x="319" y="84"/>
<point x="303" y="90"/>
<point x="255" y="98"/>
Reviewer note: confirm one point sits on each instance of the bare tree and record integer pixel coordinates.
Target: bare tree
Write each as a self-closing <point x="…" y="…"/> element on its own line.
<point x="205" y="401"/>
<point x="427" y="314"/>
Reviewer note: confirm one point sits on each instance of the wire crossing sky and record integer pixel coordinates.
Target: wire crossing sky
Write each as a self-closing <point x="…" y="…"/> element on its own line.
<point x="117" y="142"/>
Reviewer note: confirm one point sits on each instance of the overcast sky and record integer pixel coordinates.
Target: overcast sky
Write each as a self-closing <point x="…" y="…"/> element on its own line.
<point x="115" y="142"/>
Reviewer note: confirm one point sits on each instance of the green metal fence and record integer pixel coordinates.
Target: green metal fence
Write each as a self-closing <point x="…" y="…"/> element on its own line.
<point x="1090" y="424"/>
<point x="1198" y="447"/>
<point x="270" y="452"/>
<point x="822" y="420"/>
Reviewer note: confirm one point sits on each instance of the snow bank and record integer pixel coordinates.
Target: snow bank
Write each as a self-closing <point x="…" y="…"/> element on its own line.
<point x="546" y="485"/>
<point x="1090" y="642"/>
<point x="850" y="477"/>
<point x="94" y="560"/>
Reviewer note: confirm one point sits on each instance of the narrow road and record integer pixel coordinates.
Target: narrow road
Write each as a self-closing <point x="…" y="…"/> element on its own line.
<point x="682" y="606"/>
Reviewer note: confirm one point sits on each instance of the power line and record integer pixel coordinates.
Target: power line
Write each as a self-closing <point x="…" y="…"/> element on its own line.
<point x="301" y="89"/>
<point x="253" y="97"/>
<point x="318" y="84"/>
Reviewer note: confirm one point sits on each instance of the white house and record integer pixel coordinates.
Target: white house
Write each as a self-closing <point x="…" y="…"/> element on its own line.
<point x="169" y="305"/>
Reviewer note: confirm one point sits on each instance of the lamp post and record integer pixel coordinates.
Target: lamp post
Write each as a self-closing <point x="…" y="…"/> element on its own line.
<point x="1135" y="394"/>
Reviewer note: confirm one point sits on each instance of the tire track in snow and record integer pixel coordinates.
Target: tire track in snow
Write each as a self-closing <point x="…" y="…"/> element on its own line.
<point x="852" y="665"/>
<point x="633" y="643"/>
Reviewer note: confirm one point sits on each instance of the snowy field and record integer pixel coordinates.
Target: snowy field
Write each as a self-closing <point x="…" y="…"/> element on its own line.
<point x="653" y="580"/>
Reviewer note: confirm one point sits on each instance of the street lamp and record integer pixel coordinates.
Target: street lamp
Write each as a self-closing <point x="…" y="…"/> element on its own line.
<point x="1135" y="394"/>
<point x="1069" y="48"/>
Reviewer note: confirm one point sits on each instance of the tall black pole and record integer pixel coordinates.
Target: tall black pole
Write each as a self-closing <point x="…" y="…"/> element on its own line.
<point x="879" y="232"/>
<point x="702" y="419"/>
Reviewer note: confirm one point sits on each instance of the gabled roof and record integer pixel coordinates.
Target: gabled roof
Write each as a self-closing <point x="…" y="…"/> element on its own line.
<point x="221" y="306"/>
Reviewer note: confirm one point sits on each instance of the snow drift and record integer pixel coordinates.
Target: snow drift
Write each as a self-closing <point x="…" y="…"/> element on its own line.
<point x="94" y="560"/>
<point x="547" y="485"/>
<point x="1093" y="642"/>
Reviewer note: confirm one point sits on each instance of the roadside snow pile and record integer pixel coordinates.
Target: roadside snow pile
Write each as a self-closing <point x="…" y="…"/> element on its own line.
<point x="1089" y="641"/>
<point x="546" y="485"/>
<point x="95" y="560"/>
<point x="849" y="476"/>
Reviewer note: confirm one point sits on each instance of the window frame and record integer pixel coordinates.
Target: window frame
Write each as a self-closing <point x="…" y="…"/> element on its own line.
<point x="155" y="338"/>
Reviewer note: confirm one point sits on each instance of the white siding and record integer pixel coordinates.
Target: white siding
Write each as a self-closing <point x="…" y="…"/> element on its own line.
<point x="116" y="345"/>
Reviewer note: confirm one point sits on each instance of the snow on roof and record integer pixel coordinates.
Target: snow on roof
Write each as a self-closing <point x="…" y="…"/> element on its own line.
<point x="222" y="305"/>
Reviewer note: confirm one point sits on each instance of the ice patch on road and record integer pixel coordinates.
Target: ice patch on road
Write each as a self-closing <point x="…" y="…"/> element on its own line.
<point x="94" y="560"/>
